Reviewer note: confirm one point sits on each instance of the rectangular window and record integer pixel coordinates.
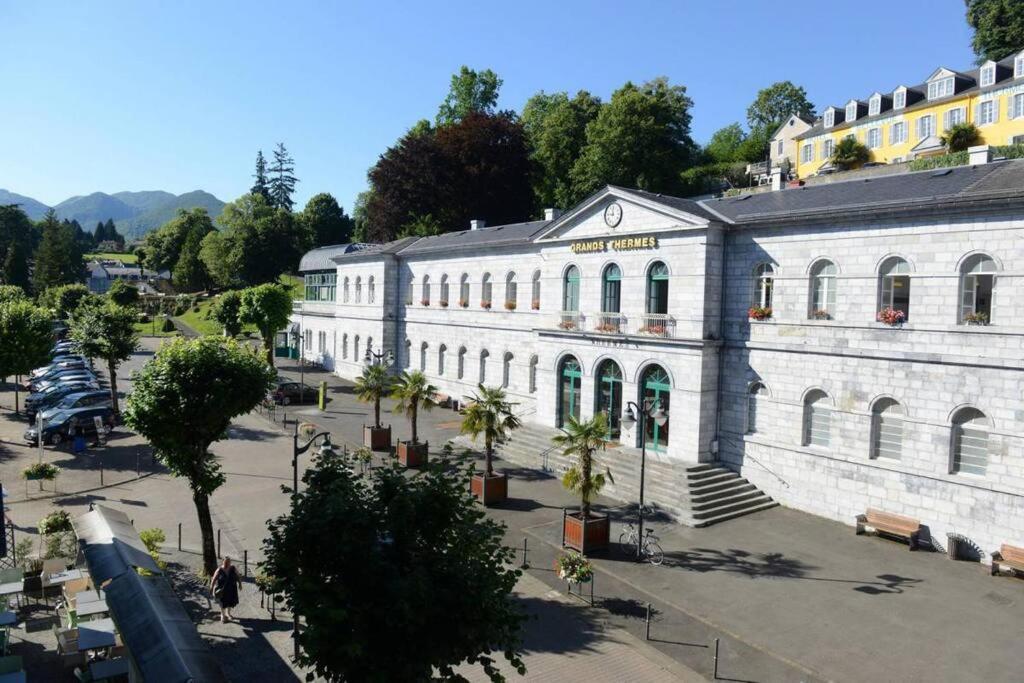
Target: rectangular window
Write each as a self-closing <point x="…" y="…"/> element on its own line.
<point x="925" y="126"/>
<point x="888" y="436"/>
<point x="953" y="117"/>
<point x="320" y="286"/>
<point x="830" y="118"/>
<point x="778" y="147"/>
<point x="851" y="112"/>
<point x="940" y="88"/>
<point x="874" y="106"/>
<point x="819" y="424"/>
<point x="988" y="76"/>
<point x="827" y="147"/>
<point x="1017" y="105"/>
<point x="874" y="138"/>
<point x="898" y="133"/>
<point x="986" y="112"/>
<point x="1018" y="67"/>
<point x="807" y="153"/>
<point x="899" y="99"/>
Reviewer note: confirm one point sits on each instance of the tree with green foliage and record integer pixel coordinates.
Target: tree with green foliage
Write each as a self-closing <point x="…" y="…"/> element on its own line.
<point x="961" y="136"/>
<point x="371" y="386"/>
<point x="268" y="308"/>
<point x="421" y="226"/>
<point x="849" y="153"/>
<point x="413" y="392"/>
<point x="9" y="293"/>
<point x="261" y="185"/>
<point x="177" y="408"/>
<point x="556" y="128"/>
<point x="58" y="259"/>
<point x="640" y="138"/>
<point x="26" y="333"/>
<point x="64" y="299"/>
<point x="998" y="28"/>
<point x="325" y="221"/>
<point x="489" y="413"/>
<point x="726" y="144"/>
<point x="776" y="103"/>
<point x="361" y="216"/>
<point x="123" y="294"/>
<point x="282" y="181"/>
<point x="227" y="311"/>
<point x="17" y="239"/>
<point x="190" y="274"/>
<point x="164" y="246"/>
<point x="580" y="440"/>
<point x="419" y="545"/>
<point x="16" y="265"/>
<point x="471" y="92"/>
<point x="106" y="333"/>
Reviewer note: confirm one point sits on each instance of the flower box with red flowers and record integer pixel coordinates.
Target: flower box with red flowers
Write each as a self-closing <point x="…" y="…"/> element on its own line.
<point x="424" y="302"/>
<point x="510" y="305"/>
<point x="486" y="305"/>
<point x="891" y="316"/>
<point x="760" y="312"/>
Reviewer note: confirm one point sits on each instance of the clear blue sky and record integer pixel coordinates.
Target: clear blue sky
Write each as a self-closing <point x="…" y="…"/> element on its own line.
<point x="179" y="96"/>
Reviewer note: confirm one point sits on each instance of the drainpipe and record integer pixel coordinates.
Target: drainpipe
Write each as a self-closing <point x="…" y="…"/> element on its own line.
<point x="721" y="347"/>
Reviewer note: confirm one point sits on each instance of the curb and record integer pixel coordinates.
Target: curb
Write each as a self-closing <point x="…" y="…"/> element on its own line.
<point x="79" y="492"/>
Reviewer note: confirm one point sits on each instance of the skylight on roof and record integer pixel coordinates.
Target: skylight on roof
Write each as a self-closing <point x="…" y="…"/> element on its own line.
<point x="941" y="172"/>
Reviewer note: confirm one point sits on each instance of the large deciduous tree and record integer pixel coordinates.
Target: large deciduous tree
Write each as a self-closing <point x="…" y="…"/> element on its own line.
<point x="64" y="299"/>
<point x="58" y="259"/>
<point x="471" y="92"/>
<point x="325" y="221"/>
<point x="227" y="311"/>
<point x="775" y="103"/>
<point x="640" y="138"/>
<point x="556" y="129"/>
<point x="26" y="333"/>
<point x="106" y="333"/>
<point x="164" y="246"/>
<point x="267" y="307"/>
<point x="282" y="179"/>
<point x="183" y="401"/>
<point x="123" y="294"/>
<point x="998" y="27"/>
<point x="404" y="555"/>
<point x="726" y="144"/>
<point x="17" y="240"/>
<point x="190" y="273"/>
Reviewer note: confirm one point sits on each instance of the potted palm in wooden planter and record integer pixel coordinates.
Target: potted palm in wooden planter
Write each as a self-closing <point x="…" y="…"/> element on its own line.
<point x="490" y="414"/>
<point x="373" y="385"/>
<point x="413" y="392"/>
<point x="584" y="531"/>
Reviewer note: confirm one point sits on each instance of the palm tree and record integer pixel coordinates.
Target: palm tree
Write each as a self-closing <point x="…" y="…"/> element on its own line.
<point x="849" y="153"/>
<point x="374" y="384"/>
<point x="961" y="136"/>
<point x="413" y="391"/>
<point x="579" y="440"/>
<point x="490" y="414"/>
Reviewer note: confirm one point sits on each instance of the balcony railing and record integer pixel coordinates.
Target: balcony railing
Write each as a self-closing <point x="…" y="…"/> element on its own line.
<point x="657" y="325"/>
<point x="570" y="320"/>
<point x="610" y="323"/>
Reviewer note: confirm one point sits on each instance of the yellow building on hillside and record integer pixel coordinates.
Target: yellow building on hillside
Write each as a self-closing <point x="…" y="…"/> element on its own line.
<point x="908" y="122"/>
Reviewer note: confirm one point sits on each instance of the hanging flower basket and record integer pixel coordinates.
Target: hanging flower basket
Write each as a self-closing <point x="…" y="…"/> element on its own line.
<point x="760" y="312"/>
<point x="976" y="318"/>
<point x="891" y="317"/>
<point x="574" y="568"/>
<point x="40" y="471"/>
<point x="55" y="522"/>
<point x="510" y="305"/>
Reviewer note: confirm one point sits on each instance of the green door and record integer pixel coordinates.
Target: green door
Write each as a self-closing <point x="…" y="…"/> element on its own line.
<point x="569" y="391"/>
<point x="609" y="396"/>
<point x="656" y="387"/>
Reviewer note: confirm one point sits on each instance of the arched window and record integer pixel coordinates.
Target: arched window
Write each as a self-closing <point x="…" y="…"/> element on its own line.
<point x="656" y="388"/>
<point x="511" y="292"/>
<point x="443" y="299"/>
<point x="823" y="291"/>
<point x="817" y="419"/>
<point x="344" y="290"/>
<point x="571" y="290"/>
<point x="369" y="344"/>
<point x="506" y="370"/>
<point x="371" y="292"/>
<point x="485" y="291"/>
<point x="977" y="284"/>
<point x="569" y="376"/>
<point x="462" y="362"/>
<point x="894" y="286"/>
<point x="754" y="395"/>
<point x="483" y="366"/>
<point x="970" y="442"/>
<point x="423" y="356"/>
<point x="408" y="353"/>
<point x="609" y="396"/>
<point x="533" y="374"/>
<point x="657" y="289"/>
<point x="426" y="291"/>
<point x="408" y="292"/>
<point x="611" y="289"/>
<point x="344" y="346"/>
<point x="535" y="291"/>
<point x="441" y="351"/>
<point x="464" y="290"/>
<point x="355" y="349"/>
<point x="886" y="429"/>
<point x="764" y="281"/>
<point x="359" y="289"/>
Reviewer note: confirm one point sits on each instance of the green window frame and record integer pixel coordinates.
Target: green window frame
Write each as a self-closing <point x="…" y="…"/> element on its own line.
<point x="570" y="377"/>
<point x="656" y="387"/>
<point x="657" y="289"/>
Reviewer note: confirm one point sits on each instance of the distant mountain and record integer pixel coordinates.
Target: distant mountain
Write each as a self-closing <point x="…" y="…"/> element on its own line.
<point x="34" y="209"/>
<point x="134" y="213"/>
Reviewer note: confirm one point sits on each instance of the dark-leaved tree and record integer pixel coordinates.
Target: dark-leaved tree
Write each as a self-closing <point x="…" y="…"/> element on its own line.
<point x="58" y="259"/>
<point x="325" y="221"/>
<point x="260" y="184"/>
<point x="106" y="333"/>
<point x="998" y="27"/>
<point x="282" y="180"/>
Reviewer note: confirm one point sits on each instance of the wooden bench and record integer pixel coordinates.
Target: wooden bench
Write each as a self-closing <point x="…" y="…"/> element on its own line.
<point x="1008" y="556"/>
<point x="890" y="524"/>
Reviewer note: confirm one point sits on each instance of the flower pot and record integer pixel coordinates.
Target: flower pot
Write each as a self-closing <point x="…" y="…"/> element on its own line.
<point x="585" y="535"/>
<point x="377" y="438"/>
<point x="489" y="490"/>
<point x="412" y="454"/>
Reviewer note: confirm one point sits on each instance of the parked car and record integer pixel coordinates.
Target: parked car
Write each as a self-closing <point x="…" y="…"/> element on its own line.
<point x="48" y="398"/>
<point x="62" y="425"/>
<point x="287" y="392"/>
<point x="79" y="399"/>
<point x="58" y="364"/>
<point x="65" y="377"/>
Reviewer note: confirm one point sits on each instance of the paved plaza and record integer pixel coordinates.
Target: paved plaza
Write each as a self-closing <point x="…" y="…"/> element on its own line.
<point x="789" y="596"/>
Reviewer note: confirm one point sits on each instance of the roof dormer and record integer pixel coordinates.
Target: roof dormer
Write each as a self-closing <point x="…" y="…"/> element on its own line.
<point x="829" y="117"/>
<point x="987" y="74"/>
<point x="942" y="83"/>
<point x="1018" y="65"/>
<point x="899" y="97"/>
<point x="875" y="104"/>
<point x="853" y="110"/>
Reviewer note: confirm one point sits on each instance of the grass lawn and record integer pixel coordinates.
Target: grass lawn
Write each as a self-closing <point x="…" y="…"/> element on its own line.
<point x="296" y="284"/>
<point x="124" y="258"/>
<point x="153" y="330"/>
<point x="199" y="323"/>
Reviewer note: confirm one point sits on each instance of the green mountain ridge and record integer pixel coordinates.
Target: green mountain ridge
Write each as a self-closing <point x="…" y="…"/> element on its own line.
<point x="34" y="208"/>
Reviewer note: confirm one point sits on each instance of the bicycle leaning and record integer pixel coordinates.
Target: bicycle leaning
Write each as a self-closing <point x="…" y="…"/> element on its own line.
<point x="650" y="549"/>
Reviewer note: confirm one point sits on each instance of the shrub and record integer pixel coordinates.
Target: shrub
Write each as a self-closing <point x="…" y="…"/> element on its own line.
<point x="961" y="136"/>
<point x="942" y="161"/>
<point x="56" y="521"/>
<point x="849" y="153"/>
<point x="168" y="325"/>
<point x="152" y="539"/>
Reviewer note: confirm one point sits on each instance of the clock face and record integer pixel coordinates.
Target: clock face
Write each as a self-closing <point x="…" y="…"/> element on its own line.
<point x="613" y="214"/>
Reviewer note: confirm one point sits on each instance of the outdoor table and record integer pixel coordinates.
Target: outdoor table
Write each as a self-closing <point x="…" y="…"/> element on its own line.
<point x="87" y="596"/>
<point x="107" y="668"/>
<point x="12" y="588"/>
<point x="87" y="609"/>
<point x="8" y="618"/>
<point x="13" y="677"/>
<point x="96" y="635"/>
<point x="63" y="577"/>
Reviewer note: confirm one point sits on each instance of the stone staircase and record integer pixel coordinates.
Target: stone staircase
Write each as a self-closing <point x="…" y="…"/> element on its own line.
<point x="695" y="495"/>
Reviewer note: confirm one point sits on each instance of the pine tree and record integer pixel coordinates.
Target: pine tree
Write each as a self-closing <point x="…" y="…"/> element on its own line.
<point x="58" y="260"/>
<point x="282" y="184"/>
<point x="261" y="187"/>
<point x="100" y="233"/>
<point x="16" y="265"/>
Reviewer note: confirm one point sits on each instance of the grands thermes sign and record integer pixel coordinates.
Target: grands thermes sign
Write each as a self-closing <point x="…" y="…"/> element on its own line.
<point x="618" y="244"/>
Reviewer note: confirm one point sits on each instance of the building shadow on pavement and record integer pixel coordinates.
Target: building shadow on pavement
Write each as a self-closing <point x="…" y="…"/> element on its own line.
<point x="238" y="432"/>
<point x="556" y="627"/>
<point x="754" y="565"/>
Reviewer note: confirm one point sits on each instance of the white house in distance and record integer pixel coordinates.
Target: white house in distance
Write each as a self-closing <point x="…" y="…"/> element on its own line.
<point x="759" y="324"/>
<point x="102" y="274"/>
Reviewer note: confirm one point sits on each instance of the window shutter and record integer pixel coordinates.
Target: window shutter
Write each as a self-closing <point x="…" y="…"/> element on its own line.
<point x="995" y="110"/>
<point x="920" y="127"/>
<point x="1010" y="110"/>
<point x="977" y="114"/>
<point x="892" y="134"/>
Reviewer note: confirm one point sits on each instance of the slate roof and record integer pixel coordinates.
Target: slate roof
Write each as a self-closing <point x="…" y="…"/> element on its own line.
<point x="320" y="258"/>
<point x="392" y="247"/>
<point x="939" y="186"/>
<point x="677" y="203"/>
<point x="497" y="236"/>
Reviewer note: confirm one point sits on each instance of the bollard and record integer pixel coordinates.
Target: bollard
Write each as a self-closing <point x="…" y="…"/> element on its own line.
<point x="648" y="636"/>
<point x="179" y="536"/>
<point x="245" y="563"/>
<point x="715" y="675"/>
<point x="525" y="564"/>
<point x="218" y="544"/>
<point x="100" y="458"/>
<point x="138" y="465"/>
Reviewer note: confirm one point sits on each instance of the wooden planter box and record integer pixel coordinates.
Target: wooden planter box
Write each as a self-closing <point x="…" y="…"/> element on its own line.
<point x="377" y="438"/>
<point x="585" y="535"/>
<point x="412" y="454"/>
<point x="489" y="490"/>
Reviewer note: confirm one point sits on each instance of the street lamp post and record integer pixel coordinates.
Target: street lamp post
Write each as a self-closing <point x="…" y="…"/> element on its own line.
<point x="650" y="410"/>
<point x="297" y="337"/>
<point x="326" y="449"/>
<point x="385" y="358"/>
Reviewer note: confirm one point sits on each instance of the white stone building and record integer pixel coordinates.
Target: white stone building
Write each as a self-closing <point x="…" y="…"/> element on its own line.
<point x="820" y="406"/>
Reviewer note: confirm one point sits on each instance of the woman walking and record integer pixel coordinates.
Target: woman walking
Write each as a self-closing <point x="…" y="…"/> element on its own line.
<point x="225" y="584"/>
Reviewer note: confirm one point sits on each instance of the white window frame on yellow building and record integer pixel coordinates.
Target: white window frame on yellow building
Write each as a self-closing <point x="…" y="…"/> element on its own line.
<point x="895" y="139"/>
<point x="828" y="146"/>
<point x="899" y="98"/>
<point x="873" y="137"/>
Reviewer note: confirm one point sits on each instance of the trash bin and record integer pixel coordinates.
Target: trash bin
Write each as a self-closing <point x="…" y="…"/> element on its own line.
<point x="955" y="544"/>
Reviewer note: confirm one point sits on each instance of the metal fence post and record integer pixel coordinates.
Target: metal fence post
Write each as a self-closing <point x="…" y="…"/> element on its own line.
<point x="138" y="464"/>
<point x="715" y="675"/>
<point x="525" y="565"/>
<point x="245" y="563"/>
<point x="218" y="543"/>
<point x="179" y="536"/>
<point x="648" y="636"/>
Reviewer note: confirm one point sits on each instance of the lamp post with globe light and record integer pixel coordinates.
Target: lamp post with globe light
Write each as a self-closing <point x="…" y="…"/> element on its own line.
<point x="649" y="410"/>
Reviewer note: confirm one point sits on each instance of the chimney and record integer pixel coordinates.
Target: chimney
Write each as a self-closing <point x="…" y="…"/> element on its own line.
<point x="552" y="214"/>
<point x="776" y="176"/>
<point x="982" y="154"/>
<point x="476" y="224"/>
